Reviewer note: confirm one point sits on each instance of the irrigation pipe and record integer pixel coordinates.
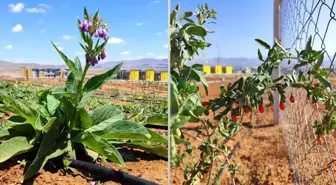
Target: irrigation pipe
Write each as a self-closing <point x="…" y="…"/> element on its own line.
<point x="108" y="174"/>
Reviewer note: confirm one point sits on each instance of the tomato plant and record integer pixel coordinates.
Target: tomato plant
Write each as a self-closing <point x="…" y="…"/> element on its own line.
<point x="58" y="125"/>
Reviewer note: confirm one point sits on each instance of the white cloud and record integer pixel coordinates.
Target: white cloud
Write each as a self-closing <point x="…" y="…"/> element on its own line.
<point x="44" y="5"/>
<point x="155" y="2"/>
<point x="67" y="37"/>
<point x="9" y="47"/>
<point x="149" y="54"/>
<point x="35" y="10"/>
<point x="60" y="48"/>
<point x="139" y="23"/>
<point x="16" y="8"/>
<point x="125" y="53"/>
<point x="158" y="33"/>
<point x="165" y="46"/>
<point x="17" y="28"/>
<point x="43" y="30"/>
<point x="115" y="40"/>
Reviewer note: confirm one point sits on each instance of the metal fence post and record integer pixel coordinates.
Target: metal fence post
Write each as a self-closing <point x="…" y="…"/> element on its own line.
<point x="277" y="72"/>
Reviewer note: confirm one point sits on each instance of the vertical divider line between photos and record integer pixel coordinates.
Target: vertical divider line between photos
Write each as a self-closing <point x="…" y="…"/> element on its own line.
<point x="276" y="72"/>
<point x="168" y="99"/>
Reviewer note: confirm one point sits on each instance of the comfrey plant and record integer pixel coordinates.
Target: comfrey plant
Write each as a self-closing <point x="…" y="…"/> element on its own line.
<point x="58" y="125"/>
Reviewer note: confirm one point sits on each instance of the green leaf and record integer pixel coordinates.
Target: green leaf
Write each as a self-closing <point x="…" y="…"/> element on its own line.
<point x="105" y="112"/>
<point x="103" y="147"/>
<point x="13" y="147"/>
<point x="260" y="55"/>
<point x="186" y="15"/>
<point x="78" y="66"/>
<point x="68" y="62"/>
<point x="84" y="120"/>
<point x="198" y="76"/>
<point x="52" y="104"/>
<point x="157" y="119"/>
<point x="196" y="30"/>
<point x="264" y="44"/>
<point x="71" y="85"/>
<point x="86" y="96"/>
<point x="159" y="150"/>
<point x="97" y="81"/>
<point x="124" y="129"/>
<point x="325" y="82"/>
<point x="53" y="145"/>
<point x="174" y="104"/>
<point x="18" y="108"/>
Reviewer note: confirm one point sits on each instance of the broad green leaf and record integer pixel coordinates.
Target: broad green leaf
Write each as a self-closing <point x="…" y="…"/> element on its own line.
<point x="197" y="30"/>
<point x="78" y="66"/>
<point x="103" y="147"/>
<point x="51" y="143"/>
<point x="68" y="62"/>
<point x="260" y="55"/>
<point x="105" y="112"/>
<point x="18" y="108"/>
<point x="159" y="150"/>
<point x="325" y="82"/>
<point x="155" y="138"/>
<point x="49" y="124"/>
<point x="84" y="121"/>
<point x="124" y="129"/>
<point x="86" y="96"/>
<point x="13" y="147"/>
<point x="52" y="104"/>
<point x="71" y="85"/>
<point x="97" y="81"/>
<point x="186" y="15"/>
<point x="157" y="119"/>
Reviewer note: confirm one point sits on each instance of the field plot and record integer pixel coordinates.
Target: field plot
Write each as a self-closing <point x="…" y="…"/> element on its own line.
<point x="138" y="101"/>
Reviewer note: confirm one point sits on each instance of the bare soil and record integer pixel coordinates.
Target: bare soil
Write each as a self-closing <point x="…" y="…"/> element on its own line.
<point x="262" y="153"/>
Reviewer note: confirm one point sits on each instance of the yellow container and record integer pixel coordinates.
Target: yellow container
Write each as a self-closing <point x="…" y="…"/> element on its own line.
<point x="41" y="74"/>
<point x="150" y="75"/>
<point x="23" y="71"/>
<point x="218" y="69"/>
<point x="207" y="69"/>
<point x="228" y="69"/>
<point x="164" y="76"/>
<point x="134" y="75"/>
<point x="29" y="73"/>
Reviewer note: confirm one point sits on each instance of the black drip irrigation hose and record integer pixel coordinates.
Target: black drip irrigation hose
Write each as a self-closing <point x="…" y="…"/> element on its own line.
<point x="161" y="127"/>
<point x="108" y="174"/>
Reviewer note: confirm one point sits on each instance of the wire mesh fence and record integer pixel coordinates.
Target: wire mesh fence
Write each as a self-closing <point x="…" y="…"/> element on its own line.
<point x="312" y="163"/>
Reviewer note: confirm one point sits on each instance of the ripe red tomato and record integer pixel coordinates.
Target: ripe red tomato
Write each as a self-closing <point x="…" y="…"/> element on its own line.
<point x="240" y="106"/>
<point x="246" y="110"/>
<point x="261" y="108"/>
<point x="315" y="84"/>
<point x="319" y="140"/>
<point x="205" y="103"/>
<point x="292" y="99"/>
<point x="234" y="119"/>
<point x="282" y="106"/>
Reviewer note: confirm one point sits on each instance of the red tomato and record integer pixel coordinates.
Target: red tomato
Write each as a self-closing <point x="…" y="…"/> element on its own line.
<point x="246" y="110"/>
<point x="234" y="119"/>
<point x="292" y="99"/>
<point x="261" y="108"/>
<point x="282" y="106"/>
<point x="205" y="103"/>
<point x="319" y="140"/>
<point x="315" y="84"/>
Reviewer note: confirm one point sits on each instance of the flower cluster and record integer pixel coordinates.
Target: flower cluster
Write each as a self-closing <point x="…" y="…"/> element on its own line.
<point x="93" y="60"/>
<point x="85" y="26"/>
<point x="102" y="33"/>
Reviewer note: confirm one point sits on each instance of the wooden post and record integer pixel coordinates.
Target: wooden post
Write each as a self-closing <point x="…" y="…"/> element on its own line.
<point x="277" y="72"/>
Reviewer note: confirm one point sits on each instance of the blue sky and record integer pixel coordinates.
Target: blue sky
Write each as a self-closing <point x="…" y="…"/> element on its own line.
<point x="239" y="22"/>
<point x="138" y="29"/>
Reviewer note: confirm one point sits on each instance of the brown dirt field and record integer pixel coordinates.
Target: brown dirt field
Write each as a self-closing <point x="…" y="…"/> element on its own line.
<point x="143" y="165"/>
<point x="262" y="154"/>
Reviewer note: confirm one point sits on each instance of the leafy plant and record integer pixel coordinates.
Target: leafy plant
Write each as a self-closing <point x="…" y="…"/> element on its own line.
<point x="59" y="125"/>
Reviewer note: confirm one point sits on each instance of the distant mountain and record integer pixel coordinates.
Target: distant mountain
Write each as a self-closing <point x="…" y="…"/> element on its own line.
<point x="141" y="64"/>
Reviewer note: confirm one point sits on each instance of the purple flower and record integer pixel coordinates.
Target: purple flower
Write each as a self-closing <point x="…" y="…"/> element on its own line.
<point x="102" y="55"/>
<point x="85" y="26"/>
<point x="94" y="62"/>
<point x="98" y="57"/>
<point x="105" y="37"/>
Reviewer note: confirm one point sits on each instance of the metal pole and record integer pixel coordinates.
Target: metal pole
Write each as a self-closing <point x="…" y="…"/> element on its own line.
<point x="277" y="72"/>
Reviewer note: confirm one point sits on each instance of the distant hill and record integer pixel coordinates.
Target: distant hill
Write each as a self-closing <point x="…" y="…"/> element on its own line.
<point x="13" y="69"/>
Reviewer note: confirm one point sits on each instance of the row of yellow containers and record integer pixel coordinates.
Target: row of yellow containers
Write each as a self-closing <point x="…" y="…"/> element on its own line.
<point x="218" y="69"/>
<point x="149" y="75"/>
